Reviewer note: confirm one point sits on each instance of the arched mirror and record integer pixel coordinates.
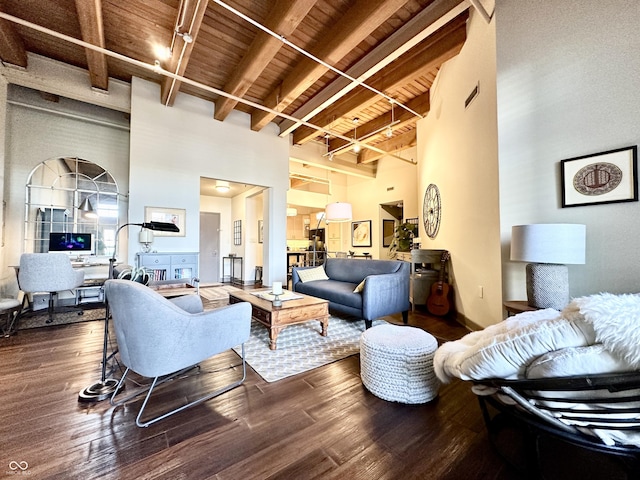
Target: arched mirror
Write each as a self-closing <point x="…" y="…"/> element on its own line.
<point x="72" y="196"/>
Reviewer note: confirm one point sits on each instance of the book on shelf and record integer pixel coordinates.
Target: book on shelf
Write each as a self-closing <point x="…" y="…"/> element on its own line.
<point x="286" y="295"/>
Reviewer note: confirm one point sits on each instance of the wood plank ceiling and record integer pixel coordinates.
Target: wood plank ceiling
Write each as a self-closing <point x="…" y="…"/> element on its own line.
<point x="394" y="47"/>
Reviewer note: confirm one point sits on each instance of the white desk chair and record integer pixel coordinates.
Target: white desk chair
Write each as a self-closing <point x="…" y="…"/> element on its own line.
<point x="48" y="272"/>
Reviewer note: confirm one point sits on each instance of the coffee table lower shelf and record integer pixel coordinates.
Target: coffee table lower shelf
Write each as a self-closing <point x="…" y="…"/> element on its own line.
<point x="290" y="313"/>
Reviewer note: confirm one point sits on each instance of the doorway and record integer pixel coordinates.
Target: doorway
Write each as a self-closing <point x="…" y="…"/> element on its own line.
<point x="209" y="247"/>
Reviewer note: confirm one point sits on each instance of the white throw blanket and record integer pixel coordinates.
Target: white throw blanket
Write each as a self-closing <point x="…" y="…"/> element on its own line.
<point x="615" y="320"/>
<point x="593" y="334"/>
<point x="506" y="349"/>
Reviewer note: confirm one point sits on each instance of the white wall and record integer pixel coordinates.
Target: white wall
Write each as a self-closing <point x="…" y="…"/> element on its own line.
<point x="567" y="79"/>
<point x="457" y="151"/>
<point x="396" y="181"/>
<point x="172" y="147"/>
<point x="33" y="136"/>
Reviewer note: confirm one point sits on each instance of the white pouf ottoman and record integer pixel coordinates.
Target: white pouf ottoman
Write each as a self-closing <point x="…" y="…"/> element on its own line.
<point x="396" y="363"/>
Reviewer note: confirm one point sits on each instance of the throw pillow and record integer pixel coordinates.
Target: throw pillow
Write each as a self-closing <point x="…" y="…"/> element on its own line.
<point x="359" y="288"/>
<point x="311" y="274"/>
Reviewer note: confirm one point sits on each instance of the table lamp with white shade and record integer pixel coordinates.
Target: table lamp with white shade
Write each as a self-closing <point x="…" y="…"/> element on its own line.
<point x="548" y="248"/>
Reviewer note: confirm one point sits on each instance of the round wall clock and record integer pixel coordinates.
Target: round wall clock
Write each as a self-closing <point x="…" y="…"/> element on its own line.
<point x="431" y="210"/>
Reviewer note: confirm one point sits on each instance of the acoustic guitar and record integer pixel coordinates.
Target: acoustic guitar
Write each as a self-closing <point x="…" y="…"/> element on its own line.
<point x="438" y="301"/>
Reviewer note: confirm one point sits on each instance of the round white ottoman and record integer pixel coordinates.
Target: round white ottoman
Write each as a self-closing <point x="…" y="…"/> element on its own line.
<point x="396" y="363"/>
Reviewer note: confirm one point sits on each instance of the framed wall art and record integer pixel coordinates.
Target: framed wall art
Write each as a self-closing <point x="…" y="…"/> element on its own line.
<point x="361" y="233"/>
<point x="606" y="177"/>
<point x="388" y="227"/>
<point x="260" y="231"/>
<point x="168" y="215"/>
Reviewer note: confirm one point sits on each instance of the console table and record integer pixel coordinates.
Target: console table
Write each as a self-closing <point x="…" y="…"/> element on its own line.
<point x="232" y="261"/>
<point x="169" y="265"/>
<point x="425" y="271"/>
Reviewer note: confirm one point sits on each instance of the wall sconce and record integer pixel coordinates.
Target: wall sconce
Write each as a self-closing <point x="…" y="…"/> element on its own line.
<point x="548" y="247"/>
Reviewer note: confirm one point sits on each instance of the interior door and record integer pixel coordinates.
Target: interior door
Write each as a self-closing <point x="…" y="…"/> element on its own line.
<point x="209" y="247"/>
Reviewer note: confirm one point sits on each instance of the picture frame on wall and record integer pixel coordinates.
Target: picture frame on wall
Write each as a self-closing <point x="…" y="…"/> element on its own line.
<point x="388" y="227"/>
<point x="599" y="178"/>
<point x="361" y="233"/>
<point x="176" y="216"/>
<point x="260" y="231"/>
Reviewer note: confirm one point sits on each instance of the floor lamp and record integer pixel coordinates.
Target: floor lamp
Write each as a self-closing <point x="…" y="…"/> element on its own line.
<point x="336" y="212"/>
<point x="548" y="248"/>
<point x="107" y="386"/>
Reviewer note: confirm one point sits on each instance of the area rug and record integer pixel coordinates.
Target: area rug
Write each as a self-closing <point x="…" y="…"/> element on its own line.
<point x="212" y="297"/>
<point x="301" y="347"/>
<point x="39" y="318"/>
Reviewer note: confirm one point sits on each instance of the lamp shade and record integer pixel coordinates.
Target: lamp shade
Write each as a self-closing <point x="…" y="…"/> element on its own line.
<point x="557" y="243"/>
<point x="145" y="236"/>
<point x="338" y="212"/>
<point x="87" y="209"/>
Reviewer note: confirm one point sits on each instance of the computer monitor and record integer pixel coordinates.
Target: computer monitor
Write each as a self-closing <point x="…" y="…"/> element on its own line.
<point x="73" y="243"/>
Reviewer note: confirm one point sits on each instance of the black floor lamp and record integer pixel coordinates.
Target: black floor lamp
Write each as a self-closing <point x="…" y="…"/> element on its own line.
<point x="106" y="386"/>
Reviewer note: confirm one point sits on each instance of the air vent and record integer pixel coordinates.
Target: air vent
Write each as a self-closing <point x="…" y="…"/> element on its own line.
<point x="474" y="93"/>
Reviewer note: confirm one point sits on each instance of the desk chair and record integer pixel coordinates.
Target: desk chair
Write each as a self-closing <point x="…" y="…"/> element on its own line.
<point x="48" y="272"/>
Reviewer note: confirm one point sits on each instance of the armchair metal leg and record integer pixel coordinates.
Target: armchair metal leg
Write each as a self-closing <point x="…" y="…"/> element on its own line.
<point x="156" y="382"/>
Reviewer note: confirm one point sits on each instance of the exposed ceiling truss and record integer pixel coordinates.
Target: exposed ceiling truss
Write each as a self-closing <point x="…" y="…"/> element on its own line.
<point x="311" y="66"/>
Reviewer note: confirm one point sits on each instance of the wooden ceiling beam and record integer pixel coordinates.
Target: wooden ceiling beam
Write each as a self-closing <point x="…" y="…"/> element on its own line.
<point x="12" y="49"/>
<point x="425" y="23"/>
<point x="92" y="29"/>
<point x="283" y="19"/>
<point x="432" y="53"/>
<point x="181" y="55"/>
<point x="392" y="146"/>
<point x="345" y="35"/>
<point x="420" y="104"/>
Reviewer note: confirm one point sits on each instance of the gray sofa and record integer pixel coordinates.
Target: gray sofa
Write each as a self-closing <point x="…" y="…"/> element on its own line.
<point x="386" y="289"/>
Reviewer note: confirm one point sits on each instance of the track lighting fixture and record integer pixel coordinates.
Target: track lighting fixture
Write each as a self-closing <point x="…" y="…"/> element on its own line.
<point x="186" y="37"/>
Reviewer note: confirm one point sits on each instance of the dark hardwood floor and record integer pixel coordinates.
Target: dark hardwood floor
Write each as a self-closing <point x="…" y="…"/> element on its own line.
<point x="320" y="424"/>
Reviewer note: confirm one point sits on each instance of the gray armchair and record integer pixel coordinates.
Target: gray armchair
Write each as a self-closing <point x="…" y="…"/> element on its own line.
<point x="48" y="272"/>
<point x="161" y="338"/>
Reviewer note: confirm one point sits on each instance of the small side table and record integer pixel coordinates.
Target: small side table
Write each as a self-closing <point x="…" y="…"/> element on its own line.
<point x="514" y="307"/>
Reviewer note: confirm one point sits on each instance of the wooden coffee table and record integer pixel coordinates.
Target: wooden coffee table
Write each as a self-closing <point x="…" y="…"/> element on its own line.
<point x="291" y="312"/>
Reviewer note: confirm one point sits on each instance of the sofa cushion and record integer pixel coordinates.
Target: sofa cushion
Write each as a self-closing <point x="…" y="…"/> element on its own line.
<point x="312" y="274"/>
<point x="504" y="350"/>
<point x="336" y="292"/>
<point x="354" y="271"/>
<point x="359" y="288"/>
<point x="571" y="361"/>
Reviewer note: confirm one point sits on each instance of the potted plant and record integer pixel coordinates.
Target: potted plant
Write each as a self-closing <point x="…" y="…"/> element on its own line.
<point x="402" y="236"/>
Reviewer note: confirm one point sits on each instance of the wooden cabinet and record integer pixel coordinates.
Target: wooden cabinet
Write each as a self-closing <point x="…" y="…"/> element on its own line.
<point x="334" y="241"/>
<point x="298" y="227"/>
<point x="169" y="265"/>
